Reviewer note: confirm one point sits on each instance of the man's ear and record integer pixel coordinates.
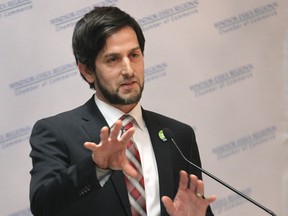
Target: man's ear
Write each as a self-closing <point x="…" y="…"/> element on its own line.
<point x="89" y="76"/>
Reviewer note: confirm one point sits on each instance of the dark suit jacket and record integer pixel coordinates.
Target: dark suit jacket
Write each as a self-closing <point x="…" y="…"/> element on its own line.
<point x="64" y="179"/>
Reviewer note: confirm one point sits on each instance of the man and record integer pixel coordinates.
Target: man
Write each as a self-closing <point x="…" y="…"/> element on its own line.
<point x="80" y="166"/>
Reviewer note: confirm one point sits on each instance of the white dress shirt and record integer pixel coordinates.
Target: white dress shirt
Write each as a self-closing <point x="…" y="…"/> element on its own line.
<point x="142" y="140"/>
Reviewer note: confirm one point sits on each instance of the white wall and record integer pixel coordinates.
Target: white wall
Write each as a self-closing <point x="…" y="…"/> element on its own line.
<point x="216" y="65"/>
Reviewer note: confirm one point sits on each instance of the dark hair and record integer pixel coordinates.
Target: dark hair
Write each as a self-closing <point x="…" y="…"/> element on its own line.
<point x="91" y="32"/>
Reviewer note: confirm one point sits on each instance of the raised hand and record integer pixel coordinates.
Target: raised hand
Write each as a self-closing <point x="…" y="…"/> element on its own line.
<point x="110" y="153"/>
<point x="189" y="200"/>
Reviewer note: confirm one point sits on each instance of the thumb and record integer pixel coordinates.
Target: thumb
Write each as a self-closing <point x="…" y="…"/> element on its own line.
<point x="90" y="145"/>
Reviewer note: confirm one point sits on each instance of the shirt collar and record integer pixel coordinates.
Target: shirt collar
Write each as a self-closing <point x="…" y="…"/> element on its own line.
<point x="112" y="114"/>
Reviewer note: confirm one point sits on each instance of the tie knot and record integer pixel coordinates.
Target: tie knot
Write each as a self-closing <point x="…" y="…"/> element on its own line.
<point x="127" y="122"/>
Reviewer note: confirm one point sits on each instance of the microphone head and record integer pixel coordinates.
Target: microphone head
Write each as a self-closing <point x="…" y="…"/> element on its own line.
<point x="165" y="134"/>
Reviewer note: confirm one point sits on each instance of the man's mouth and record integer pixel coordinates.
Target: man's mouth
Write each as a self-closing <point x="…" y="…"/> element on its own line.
<point x="128" y="84"/>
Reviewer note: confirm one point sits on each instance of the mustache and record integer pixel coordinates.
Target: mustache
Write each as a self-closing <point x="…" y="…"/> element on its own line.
<point x="128" y="81"/>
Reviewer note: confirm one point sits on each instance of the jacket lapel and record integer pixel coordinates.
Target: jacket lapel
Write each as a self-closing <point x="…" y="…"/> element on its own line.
<point x="119" y="183"/>
<point x="92" y="122"/>
<point x="162" y="154"/>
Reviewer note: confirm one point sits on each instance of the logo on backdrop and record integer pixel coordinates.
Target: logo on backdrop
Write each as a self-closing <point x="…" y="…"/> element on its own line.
<point x="247" y="18"/>
<point x="13" y="7"/>
<point x="69" y="19"/>
<point x="44" y="79"/>
<point x="169" y="15"/>
<point x="15" y="137"/>
<point x="245" y="143"/>
<point x="155" y="72"/>
<point x="222" y="80"/>
<point x="229" y="202"/>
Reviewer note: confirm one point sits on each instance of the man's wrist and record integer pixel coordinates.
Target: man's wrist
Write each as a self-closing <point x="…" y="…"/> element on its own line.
<point x="102" y="166"/>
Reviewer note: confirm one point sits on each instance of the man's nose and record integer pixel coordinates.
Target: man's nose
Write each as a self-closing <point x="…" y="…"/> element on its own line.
<point x="127" y="67"/>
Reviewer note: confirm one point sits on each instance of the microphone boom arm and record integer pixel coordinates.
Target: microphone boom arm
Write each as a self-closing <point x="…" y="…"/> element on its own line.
<point x="224" y="183"/>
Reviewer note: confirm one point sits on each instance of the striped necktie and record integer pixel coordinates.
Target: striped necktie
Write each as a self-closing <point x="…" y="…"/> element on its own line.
<point x="135" y="186"/>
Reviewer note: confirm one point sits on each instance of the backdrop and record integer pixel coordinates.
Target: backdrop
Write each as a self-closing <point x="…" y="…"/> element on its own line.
<point x="220" y="66"/>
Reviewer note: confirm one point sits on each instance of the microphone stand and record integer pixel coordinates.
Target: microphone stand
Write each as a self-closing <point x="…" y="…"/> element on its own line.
<point x="224" y="183"/>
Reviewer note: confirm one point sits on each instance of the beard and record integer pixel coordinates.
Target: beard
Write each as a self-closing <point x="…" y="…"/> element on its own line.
<point x="116" y="98"/>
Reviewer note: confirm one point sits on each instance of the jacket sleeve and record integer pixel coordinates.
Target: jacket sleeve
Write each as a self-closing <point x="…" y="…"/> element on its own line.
<point x="56" y="181"/>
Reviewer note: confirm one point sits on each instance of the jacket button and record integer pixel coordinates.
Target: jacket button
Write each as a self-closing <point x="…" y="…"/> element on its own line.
<point x="84" y="190"/>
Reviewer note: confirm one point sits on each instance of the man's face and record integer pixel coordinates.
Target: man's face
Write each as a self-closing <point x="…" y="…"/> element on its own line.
<point x="119" y="70"/>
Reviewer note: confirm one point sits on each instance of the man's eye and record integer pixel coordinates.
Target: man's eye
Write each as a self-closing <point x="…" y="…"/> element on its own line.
<point x="112" y="59"/>
<point x="134" y="55"/>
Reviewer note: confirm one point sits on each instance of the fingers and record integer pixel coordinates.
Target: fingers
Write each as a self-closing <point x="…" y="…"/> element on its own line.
<point x="104" y="134"/>
<point x="211" y="199"/>
<point x="190" y="182"/>
<point x="199" y="186"/>
<point x="129" y="170"/>
<point x="186" y="202"/>
<point x="110" y="152"/>
<point x="195" y="185"/>
<point x="112" y="136"/>
<point x="127" y="135"/>
<point x="183" y="182"/>
<point x="90" y="145"/>
<point x="168" y="203"/>
<point x="115" y="130"/>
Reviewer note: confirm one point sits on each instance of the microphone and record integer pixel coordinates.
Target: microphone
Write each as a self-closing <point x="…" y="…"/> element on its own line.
<point x="166" y="134"/>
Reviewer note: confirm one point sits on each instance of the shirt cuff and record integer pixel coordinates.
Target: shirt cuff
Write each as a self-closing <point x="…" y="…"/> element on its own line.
<point x="103" y="175"/>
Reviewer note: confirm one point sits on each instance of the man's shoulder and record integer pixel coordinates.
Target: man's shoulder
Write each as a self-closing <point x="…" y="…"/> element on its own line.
<point x="60" y="120"/>
<point x="163" y="119"/>
<point x="179" y="129"/>
<point x="72" y="115"/>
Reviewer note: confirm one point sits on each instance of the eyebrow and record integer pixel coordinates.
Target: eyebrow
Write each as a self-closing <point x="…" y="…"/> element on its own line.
<point x="107" y="55"/>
